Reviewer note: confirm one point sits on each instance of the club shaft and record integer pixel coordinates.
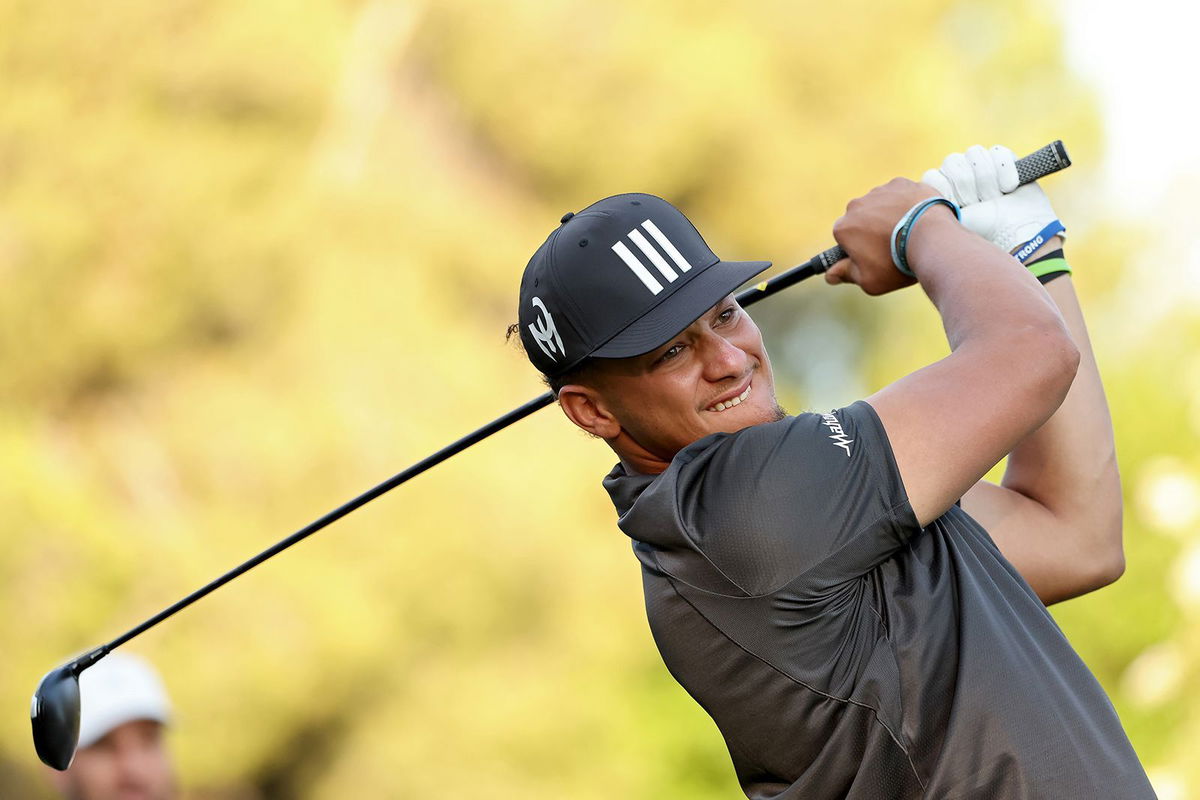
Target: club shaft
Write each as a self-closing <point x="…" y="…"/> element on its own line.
<point x="308" y="530"/>
<point x="1050" y="158"/>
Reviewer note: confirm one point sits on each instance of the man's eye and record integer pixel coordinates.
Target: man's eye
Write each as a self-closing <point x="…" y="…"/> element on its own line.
<point x="672" y="352"/>
<point x="726" y="315"/>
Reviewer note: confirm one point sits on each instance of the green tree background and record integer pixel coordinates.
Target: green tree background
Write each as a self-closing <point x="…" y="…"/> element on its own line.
<point x="256" y="257"/>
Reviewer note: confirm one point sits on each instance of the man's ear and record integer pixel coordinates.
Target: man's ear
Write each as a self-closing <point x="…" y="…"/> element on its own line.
<point x="584" y="406"/>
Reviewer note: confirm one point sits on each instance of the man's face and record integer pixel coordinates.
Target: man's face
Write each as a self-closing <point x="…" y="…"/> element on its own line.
<point x="130" y="763"/>
<point x="712" y="377"/>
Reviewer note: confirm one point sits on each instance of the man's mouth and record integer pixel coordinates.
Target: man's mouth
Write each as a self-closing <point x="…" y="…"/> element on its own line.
<point x="731" y="402"/>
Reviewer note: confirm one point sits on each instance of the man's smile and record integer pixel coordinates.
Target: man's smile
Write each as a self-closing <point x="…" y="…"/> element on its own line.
<point x="732" y="398"/>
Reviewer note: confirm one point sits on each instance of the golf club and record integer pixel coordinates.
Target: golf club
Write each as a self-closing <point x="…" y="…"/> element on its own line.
<point x="55" y="707"/>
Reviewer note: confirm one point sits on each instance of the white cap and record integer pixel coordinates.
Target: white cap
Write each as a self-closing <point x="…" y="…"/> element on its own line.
<point x="118" y="688"/>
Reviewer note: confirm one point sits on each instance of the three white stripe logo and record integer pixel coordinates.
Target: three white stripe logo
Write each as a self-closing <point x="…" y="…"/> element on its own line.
<point x="639" y="269"/>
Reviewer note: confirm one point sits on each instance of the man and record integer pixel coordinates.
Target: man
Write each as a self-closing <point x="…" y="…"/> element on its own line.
<point x="121" y="753"/>
<point x="861" y="615"/>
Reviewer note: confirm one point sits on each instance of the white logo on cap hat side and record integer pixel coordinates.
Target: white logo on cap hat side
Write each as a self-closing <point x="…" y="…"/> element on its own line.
<point x="639" y="269"/>
<point x="544" y="332"/>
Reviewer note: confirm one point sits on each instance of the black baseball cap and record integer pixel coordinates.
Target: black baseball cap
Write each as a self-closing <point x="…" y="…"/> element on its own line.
<point x="617" y="280"/>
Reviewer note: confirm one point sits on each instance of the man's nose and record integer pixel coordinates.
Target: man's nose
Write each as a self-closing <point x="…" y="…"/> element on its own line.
<point x="722" y="358"/>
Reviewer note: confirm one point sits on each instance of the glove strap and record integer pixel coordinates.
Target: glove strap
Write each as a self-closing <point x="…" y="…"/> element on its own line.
<point x="904" y="227"/>
<point x="1026" y="250"/>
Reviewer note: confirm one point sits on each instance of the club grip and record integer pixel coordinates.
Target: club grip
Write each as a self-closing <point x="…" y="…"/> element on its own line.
<point x="1039" y="164"/>
<point x="1036" y="165"/>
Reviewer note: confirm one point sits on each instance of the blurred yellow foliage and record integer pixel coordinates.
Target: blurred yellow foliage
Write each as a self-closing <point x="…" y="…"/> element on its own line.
<point x="256" y="257"/>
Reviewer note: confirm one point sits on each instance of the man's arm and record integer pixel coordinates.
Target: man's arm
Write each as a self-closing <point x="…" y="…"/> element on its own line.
<point x="1057" y="513"/>
<point x="1012" y="359"/>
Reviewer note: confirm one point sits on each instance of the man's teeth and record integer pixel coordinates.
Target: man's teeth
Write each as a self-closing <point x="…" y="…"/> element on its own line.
<point x="731" y="403"/>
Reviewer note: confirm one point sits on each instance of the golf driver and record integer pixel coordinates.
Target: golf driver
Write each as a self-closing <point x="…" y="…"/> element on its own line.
<point x="55" y="707"/>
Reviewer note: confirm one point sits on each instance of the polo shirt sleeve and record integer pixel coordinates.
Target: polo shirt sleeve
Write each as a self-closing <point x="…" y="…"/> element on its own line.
<point x="817" y="495"/>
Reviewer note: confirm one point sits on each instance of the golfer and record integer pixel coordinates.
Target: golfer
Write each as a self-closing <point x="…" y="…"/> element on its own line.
<point x="859" y="612"/>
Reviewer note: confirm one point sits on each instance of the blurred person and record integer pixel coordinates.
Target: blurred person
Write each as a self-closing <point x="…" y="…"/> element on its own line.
<point x="122" y="754"/>
<point x="862" y="615"/>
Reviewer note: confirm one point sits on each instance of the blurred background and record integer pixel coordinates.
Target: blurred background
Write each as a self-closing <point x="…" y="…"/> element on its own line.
<point x="257" y="257"/>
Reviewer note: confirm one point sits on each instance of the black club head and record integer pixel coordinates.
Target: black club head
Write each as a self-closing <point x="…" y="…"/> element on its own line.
<point x="55" y="716"/>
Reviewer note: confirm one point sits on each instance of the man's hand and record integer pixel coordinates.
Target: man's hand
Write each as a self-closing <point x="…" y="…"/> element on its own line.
<point x="985" y="185"/>
<point x="865" y="232"/>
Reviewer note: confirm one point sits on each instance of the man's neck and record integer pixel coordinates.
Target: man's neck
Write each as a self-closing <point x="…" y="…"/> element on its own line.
<point x="635" y="467"/>
<point x="636" y="458"/>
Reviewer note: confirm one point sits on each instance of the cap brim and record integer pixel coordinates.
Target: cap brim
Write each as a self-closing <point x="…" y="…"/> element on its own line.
<point x="686" y="305"/>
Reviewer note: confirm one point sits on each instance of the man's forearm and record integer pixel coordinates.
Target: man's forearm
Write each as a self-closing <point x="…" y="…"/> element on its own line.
<point x="1069" y="464"/>
<point x="980" y="293"/>
<point x="1012" y="364"/>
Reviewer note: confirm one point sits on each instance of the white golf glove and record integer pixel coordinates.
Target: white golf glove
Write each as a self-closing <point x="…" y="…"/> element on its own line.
<point x="985" y="185"/>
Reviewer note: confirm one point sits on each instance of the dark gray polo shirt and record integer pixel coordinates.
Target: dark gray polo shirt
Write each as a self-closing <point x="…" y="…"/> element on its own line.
<point x="845" y="652"/>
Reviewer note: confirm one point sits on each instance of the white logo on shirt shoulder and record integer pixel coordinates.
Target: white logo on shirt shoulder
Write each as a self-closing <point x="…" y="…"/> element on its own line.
<point x="544" y="332"/>
<point x="836" y="433"/>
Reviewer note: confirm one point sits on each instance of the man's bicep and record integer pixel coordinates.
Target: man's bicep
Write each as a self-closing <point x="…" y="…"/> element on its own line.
<point x="951" y="422"/>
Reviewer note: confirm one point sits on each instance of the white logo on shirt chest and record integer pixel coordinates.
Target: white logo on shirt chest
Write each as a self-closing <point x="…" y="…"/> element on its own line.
<point x="836" y="433"/>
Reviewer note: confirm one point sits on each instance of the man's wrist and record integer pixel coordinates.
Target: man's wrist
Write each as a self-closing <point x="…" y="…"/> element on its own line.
<point x="908" y="223"/>
<point x="935" y="225"/>
<point x="1050" y="245"/>
<point x="1048" y="266"/>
